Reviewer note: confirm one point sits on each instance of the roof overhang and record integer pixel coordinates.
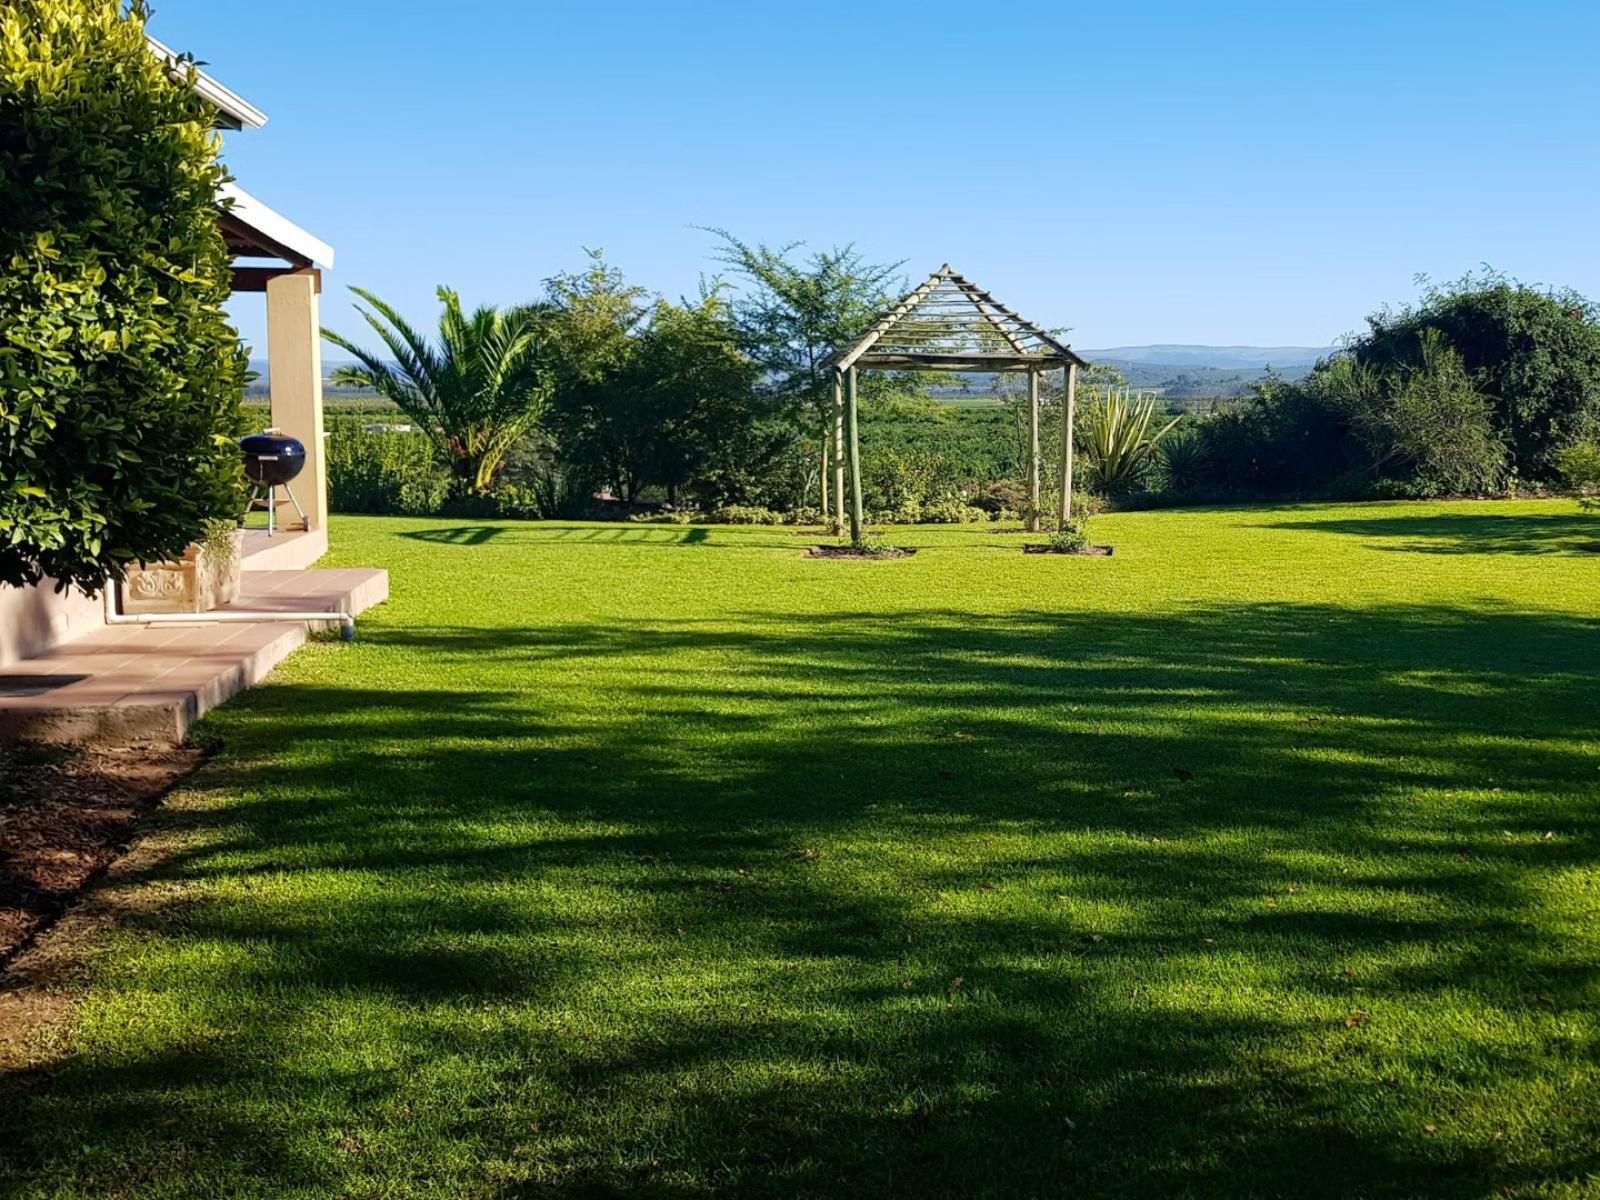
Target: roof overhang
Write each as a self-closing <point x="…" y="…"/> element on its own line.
<point x="252" y="230"/>
<point x="233" y="110"/>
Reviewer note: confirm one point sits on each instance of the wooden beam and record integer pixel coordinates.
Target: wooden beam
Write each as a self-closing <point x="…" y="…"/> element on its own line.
<point x="855" y="457"/>
<point x="255" y="279"/>
<point x="882" y="325"/>
<point x="898" y="361"/>
<point x="1069" y="405"/>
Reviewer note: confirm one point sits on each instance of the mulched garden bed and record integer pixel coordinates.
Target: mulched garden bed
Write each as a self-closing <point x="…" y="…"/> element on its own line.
<point x="1087" y="551"/>
<point x="64" y="816"/>
<point x="852" y="552"/>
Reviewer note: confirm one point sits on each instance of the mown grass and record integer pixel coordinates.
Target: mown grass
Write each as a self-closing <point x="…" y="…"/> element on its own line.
<point x="1260" y="859"/>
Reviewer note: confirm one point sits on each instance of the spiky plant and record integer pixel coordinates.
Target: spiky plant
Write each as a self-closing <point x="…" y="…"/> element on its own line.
<point x="1182" y="461"/>
<point x="1117" y="441"/>
<point x="475" y="393"/>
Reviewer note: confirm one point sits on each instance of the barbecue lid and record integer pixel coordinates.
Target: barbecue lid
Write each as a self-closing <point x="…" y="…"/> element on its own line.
<point x="272" y="442"/>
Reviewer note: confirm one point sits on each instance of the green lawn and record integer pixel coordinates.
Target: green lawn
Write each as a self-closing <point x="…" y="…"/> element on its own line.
<point x="1260" y="859"/>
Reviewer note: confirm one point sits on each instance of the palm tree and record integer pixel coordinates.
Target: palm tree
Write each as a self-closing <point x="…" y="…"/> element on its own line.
<point x="475" y="393"/>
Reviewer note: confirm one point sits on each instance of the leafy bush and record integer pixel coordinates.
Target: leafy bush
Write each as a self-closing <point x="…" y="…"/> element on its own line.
<point x="120" y="378"/>
<point x="952" y="512"/>
<point x="805" y="516"/>
<point x="1072" y="537"/>
<point x="999" y="496"/>
<point x="1425" y="424"/>
<point x="1534" y="355"/>
<point x="743" y="514"/>
<point x="383" y="473"/>
<point x="1579" y="465"/>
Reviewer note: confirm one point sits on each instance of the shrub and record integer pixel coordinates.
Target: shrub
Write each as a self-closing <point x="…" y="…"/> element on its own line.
<point x="519" y="501"/>
<point x="999" y="496"/>
<point x="120" y="379"/>
<point x="743" y="514"/>
<point x="952" y="512"/>
<point x="383" y="473"/>
<point x="1072" y="537"/>
<point x="1579" y="465"/>
<point x="1425" y="424"/>
<point x="1534" y="354"/>
<point x="805" y="516"/>
<point x="1181" y="461"/>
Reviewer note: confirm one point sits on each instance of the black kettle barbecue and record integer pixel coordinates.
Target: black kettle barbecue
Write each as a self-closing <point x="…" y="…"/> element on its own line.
<point x="271" y="460"/>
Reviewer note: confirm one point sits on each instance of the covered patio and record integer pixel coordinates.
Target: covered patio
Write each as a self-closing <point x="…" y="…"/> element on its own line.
<point x="71" y="669"/>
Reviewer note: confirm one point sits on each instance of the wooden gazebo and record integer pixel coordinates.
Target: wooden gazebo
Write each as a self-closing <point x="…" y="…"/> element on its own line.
<point x="950" y="324"/>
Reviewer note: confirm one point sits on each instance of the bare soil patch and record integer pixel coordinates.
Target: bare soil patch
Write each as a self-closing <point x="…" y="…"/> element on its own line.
<point x="851" y="552"/>
<point x="64" y="816"/>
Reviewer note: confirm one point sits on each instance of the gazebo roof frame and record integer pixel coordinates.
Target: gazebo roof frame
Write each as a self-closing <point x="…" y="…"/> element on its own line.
<point x="948" y="323"/>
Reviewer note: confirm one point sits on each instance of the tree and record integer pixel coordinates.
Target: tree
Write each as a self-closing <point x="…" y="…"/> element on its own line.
<point x="1535" y="355"/>
<point x="120" y="377"/>
<point x="794" y="314"/>
<point x="475" y="394"/>
<point x="591" y="325"/>
<point x="699" y="391"/>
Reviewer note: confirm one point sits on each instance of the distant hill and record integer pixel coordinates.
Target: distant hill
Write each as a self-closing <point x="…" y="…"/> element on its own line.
<point x="1227" y="358"/>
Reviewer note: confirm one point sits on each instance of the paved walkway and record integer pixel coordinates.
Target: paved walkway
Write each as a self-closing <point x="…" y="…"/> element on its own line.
<point x="126" y="684"/>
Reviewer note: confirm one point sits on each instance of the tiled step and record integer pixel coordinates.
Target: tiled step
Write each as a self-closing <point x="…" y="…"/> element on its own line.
<point x="126" y="684"/>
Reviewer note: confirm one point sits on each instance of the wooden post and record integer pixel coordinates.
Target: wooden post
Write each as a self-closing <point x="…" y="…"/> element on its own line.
<point x="1069" y="405"/>
<point x="1033" y="452"/>
<point x="838" y="449"/>
<point x="822" y="475"/>
<point x="855" y="457"/>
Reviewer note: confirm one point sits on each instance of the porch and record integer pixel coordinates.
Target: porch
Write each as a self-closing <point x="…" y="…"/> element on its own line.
<point x="118" y="685"/>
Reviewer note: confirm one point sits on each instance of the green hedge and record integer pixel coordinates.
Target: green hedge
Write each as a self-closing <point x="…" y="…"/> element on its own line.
<point x="120" y="378"/>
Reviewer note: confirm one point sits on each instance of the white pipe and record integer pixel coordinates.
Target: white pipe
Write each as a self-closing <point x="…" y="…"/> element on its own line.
<point x="347" y="623"/>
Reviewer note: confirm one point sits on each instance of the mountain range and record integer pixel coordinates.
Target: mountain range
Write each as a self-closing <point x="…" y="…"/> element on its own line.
<point x="1227" y="358"/>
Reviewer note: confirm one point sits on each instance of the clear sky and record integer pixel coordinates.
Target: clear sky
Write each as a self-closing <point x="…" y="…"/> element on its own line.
<point x="1228" y="172"/>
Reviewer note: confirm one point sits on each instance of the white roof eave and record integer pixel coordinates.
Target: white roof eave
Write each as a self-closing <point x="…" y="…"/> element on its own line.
<point x="227" y="102"/>
<point x="250" y="211"/>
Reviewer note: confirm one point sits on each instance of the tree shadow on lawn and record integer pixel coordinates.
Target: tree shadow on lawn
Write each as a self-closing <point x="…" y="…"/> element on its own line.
<point x="1467" y="532"/>
<point x="1235" y="901"/>
<point x="592" y="535"/>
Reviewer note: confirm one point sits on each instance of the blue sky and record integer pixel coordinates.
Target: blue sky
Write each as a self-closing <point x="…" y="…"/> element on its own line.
<point x="1230" y="172"/>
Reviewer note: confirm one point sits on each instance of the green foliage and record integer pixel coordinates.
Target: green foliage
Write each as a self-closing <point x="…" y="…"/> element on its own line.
<point x="661" y="395"/>
<point x="1118" y="438"/>
<point x="120" y="378"/>
<point x="743" y="514"/>
<point x="1427" y="418"/>
<point x="1535" y="354"/>
<point x="476" y="393"/>
<point x="1579" y="465"/>
<point x="600" y="422"/>
<point x="1072" y="537"/>
<point x="951" y="511"/>
<point x="382" y="473"/>
<point x="1182" y="461"/>
<point x="794" y="314"/>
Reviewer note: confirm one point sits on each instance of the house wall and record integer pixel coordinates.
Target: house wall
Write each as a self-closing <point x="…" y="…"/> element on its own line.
<point x="33" y="619"/>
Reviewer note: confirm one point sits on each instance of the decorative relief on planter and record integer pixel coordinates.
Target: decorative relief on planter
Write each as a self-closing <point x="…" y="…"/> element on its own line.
<point x="197" y="582"/>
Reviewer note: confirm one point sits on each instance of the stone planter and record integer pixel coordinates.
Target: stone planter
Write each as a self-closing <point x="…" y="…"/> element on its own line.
<point x="197" y="582"/>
